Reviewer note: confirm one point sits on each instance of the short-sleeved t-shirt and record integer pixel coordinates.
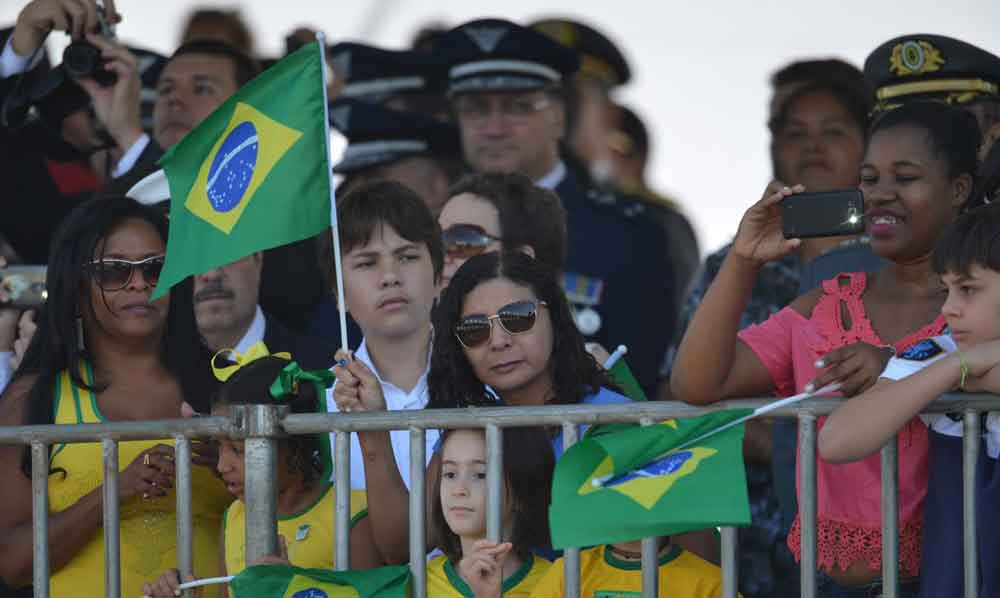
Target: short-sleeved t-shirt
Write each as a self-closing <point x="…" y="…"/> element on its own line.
<point x="682" y="575"/>
<point x="923" y="354"/>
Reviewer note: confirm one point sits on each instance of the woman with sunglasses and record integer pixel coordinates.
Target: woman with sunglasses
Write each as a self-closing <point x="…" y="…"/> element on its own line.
<point x="104" y="352"/>
<point x="502" y="212"/>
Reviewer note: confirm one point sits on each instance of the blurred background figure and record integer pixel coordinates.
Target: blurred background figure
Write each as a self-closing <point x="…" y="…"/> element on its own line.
<point x="221" y="25"/>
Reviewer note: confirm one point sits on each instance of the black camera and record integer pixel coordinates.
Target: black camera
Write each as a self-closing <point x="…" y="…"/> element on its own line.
<point x="82" y="59"/>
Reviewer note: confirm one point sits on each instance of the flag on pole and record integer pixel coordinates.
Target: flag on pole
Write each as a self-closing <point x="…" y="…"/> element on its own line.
<point x="279" y="581"/>
<point x="626" y="482"/>
<point x="254" y="174"/>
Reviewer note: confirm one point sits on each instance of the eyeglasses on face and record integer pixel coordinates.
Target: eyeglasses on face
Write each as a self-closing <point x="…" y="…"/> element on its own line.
<point x="113" y="274"/>
<point x="516" y="318"/>
<point x="463" y="241"/>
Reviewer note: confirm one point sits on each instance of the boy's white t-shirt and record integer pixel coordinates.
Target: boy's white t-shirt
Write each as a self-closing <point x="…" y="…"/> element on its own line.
<point x="921" y="355"/>
<point x="395" y="399"/>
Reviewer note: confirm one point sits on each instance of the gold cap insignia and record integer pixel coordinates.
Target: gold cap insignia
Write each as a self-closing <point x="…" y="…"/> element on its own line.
<point x="915" y="57"/>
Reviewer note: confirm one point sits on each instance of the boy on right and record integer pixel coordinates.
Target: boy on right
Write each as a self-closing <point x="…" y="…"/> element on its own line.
<point x="967" y="358"/>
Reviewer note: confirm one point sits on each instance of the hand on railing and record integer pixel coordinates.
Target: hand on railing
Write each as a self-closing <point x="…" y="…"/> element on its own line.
<point x="167" y="586"/>
<point x="357" y="388"/>
<point x="483" y="569"/>
<point x="856" y="367"/>
<point x="983" y="363"/>
<point x="150" y="474"/>
<point x="275" y="559"/>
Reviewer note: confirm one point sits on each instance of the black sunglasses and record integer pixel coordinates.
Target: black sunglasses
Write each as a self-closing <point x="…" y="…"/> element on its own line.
<point x="113" y="274"/>
<point x="515" y="318"/>
<point x="463" y="241"/>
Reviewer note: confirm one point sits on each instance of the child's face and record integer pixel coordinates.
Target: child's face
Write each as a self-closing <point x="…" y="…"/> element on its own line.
<point x="463" y="483"/>
<point x="973" y="305"/>
<point x="231" y="464"/>
<point x="389" y="284"/>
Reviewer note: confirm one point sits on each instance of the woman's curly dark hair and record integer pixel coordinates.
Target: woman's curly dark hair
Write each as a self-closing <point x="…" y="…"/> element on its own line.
<point x="452" y="382"/>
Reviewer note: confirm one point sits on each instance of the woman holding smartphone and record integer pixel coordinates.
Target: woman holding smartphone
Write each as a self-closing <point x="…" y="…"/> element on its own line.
<point x="917" y="174"/>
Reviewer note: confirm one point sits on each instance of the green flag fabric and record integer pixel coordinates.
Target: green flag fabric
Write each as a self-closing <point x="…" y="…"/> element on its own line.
<point x="278" y="581"/>
<point x="253" y="175"/>
<point x="626" y="482"/>
<point x="622" y="375"/>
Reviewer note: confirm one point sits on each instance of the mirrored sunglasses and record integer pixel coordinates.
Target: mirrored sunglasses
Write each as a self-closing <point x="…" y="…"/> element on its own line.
<point x="515" y="318"/>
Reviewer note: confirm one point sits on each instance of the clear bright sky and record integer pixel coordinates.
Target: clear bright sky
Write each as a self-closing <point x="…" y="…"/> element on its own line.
<point x="701" y="68"/>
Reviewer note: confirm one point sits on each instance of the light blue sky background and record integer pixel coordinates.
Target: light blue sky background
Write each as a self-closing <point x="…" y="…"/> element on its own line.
<point x="701" y="68"/>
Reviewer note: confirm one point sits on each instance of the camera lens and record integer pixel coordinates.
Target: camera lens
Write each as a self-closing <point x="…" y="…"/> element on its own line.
<point x="81" y="59"/>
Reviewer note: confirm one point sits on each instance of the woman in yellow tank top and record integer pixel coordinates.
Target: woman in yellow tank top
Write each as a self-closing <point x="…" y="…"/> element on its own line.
<point x="104" y="352"/>
<point x="305" y="498"/>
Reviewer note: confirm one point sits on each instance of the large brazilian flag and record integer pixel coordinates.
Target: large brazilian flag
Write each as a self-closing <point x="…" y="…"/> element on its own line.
<point x="278" y="581"/>
<point x="625" y="482"/>
<point x="253" y="175"/>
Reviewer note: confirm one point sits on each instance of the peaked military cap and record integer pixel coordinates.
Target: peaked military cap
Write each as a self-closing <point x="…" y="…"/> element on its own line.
<point x="377" y="135"/>
<point x="600" y="58"/>
<point x="931" y="67"/>
<point x="374" y="74"/>
<point x="494" y="54"/>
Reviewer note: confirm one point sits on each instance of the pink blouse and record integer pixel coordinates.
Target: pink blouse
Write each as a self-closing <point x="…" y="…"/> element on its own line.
<point x="848" y="496"/>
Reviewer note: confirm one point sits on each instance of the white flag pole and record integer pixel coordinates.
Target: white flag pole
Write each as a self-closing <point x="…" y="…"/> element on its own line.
<point x="341" y="306"/>
<point x="205" y="582"/>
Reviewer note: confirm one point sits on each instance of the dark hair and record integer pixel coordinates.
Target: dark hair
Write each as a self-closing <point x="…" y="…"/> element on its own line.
<point x="855" y="100"/>
<point x="55" y="345"/>
<point x="231" y="20"/>
<point x="833" y="70"/>
<point x="251" y="384"/>
<point x="988" y="183"/>
<point x="452" y="382"/>
<point x="972" y="239"/>
<point x="369" y="206"/>
<point x="633" y="128"/>
<point x="528" y="463"/>
<point x="244" y="67"/>
<point x="952" y="133"/>
<point x="529" y="215"/>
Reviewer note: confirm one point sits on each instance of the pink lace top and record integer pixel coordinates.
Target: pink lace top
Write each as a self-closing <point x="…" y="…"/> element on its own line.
<point x="848" y="496"/>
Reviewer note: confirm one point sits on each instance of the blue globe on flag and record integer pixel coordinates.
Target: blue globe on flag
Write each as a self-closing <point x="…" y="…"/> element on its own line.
<point x="232" y="168"/>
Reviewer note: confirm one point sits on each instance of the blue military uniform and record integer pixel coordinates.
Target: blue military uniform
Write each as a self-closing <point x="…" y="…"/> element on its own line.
<point x="617" y="276"/>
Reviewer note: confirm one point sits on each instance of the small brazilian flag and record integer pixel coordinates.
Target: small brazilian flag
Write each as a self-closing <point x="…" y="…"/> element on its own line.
<point x="253" y="175"/>
<point x="278" y="581"/>
<point x="626" y="482"/>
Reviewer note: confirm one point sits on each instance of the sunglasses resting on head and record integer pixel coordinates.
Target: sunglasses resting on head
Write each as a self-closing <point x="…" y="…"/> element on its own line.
<point x="516" y="318"/>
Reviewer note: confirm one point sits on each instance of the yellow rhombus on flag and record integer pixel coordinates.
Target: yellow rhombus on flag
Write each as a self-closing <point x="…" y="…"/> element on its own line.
<point x="253" y="175"/>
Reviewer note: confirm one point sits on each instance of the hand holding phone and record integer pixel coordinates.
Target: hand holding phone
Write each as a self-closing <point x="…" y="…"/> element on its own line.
<point x="825" y="214"/>
<point x="22" y="287"/>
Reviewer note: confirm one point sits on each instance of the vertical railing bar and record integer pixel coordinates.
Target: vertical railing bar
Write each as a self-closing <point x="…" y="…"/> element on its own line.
<point x="185" y="516"/>
<point x="494" y="483"/>
<point x="890" y="519"/>
<point x="40" y="517"/>
<point x="807" y="502"/>
<point x="571" y="556"/>
<point x="650" y="554"/>
<point x="730" y="563"/>
<point x="112" y="548"/>
<point x="342" y="509"/>
<point x="970" y="455"/>
<point x="418" y="505"/>
<point x="260" y="486"/>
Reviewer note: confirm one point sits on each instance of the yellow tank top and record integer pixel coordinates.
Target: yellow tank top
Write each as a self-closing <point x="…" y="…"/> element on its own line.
<point x="309" y="534"/>
<point x="148" y="529"/>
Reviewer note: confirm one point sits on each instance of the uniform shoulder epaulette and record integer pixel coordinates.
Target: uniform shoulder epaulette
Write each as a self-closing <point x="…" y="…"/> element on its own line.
<point x="922" y="351"/>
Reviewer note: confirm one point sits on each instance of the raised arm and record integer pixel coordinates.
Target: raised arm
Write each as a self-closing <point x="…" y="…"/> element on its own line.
<point x="712" y="363"/>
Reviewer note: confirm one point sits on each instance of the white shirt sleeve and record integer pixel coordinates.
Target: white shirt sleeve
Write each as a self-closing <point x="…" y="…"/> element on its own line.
<point x="916" y="358"/>
<point x="131" y="156"/>
<point x="6" y="372"/>
<point x="11" y="63"/>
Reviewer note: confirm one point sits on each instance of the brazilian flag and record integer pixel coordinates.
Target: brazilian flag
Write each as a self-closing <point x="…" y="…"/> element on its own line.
<point x="626" y="482"/>
<point x="279" y="581"/>
<point x="253" y="175"/>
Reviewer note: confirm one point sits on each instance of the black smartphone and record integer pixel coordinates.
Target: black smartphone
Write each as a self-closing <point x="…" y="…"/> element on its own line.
<point x="24" y="286"/>
<point x="825" y="214"/>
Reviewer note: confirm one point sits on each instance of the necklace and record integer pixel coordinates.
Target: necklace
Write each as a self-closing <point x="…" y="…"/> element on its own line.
<point x="629" y="555"/>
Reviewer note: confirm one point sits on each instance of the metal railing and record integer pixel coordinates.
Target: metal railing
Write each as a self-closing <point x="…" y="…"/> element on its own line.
<point x="261" y="426"/>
